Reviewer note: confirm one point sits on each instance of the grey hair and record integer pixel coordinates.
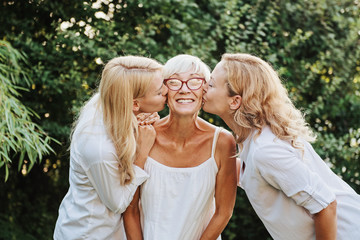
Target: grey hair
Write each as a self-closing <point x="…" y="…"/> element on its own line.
<point x="184" y="63"/>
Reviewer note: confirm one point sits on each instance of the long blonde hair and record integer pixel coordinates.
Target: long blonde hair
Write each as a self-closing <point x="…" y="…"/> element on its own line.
<point x="123" y="80"/>
<point x="265" y="100"/>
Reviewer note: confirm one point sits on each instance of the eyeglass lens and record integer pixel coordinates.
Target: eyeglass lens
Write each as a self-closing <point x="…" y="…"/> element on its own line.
<point x="176" y="84"/>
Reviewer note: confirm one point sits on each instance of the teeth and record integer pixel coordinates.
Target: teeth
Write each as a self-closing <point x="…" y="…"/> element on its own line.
<point x="185" y="100"/>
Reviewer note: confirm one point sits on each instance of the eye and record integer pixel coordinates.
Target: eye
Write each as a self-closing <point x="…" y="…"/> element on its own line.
<point x="174" y="82"/>
<point x="195" y="82"/>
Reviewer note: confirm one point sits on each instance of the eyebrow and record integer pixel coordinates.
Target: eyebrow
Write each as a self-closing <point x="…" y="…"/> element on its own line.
<point x="195" y="74"/>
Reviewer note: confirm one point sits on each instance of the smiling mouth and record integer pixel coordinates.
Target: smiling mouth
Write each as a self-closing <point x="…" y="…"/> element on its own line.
<point x="185" y="100"/>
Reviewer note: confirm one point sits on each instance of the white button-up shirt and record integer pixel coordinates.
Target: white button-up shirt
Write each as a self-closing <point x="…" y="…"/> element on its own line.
<point x="94" y="203"/>
<point x="286" y="189"/>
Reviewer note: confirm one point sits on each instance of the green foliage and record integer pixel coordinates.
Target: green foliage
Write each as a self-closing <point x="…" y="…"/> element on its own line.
<point x="314" y="45"/>
<point x="18" y="134"/>
<point x="346" y="149"/>
<point x="11" y="231"/>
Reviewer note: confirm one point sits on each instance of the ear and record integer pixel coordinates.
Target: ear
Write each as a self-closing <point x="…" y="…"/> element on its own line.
<point x="136" y="105"/>
<point x="235" y="102"/>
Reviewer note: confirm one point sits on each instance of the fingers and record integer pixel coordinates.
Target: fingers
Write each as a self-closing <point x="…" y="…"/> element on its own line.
<point x="147" y="118"/>
<point x="142" y="116"/>
<point x="146" y="138"/>
<point x="153" y="118"/>
<point x="147" y="129"/>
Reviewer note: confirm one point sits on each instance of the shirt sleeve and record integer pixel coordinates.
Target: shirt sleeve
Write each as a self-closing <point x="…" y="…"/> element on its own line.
<point x="105" y="178"/>
<point x="99" y="161"/>
<point x="285" y="170"/>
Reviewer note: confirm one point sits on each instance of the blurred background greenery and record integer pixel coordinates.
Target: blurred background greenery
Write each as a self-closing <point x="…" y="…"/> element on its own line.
<point x="52" y="54"/>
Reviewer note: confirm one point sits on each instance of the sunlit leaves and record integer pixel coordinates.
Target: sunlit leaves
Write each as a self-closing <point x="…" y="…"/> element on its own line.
<point x="19" y="136"/>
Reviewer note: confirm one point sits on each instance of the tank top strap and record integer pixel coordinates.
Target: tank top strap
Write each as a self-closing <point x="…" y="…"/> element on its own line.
<point x="216" y="135"/>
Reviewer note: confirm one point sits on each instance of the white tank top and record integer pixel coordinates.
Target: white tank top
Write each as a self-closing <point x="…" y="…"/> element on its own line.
<point x="178" y="203"/>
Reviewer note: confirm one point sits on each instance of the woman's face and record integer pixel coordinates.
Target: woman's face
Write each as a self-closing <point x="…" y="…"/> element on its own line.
<point x="155" y="98"/>
<point x="186" y="101"/>
<point x="216" y="98"/>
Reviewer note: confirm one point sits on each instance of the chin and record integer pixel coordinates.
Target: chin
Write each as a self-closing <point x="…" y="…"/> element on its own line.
<point x="160" y="108"/>
<point x="205" y="108"/>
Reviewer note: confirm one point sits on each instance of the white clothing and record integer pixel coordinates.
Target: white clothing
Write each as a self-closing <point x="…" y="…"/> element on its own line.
<point x="286" y="189"/>
<point x="178" y="203"/>
<point x="95" y="200"/>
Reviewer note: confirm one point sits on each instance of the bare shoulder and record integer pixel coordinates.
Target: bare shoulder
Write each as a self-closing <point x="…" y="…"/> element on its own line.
<point x="225" y="150"/>
<point x="204" y="125"/>
<point x="226" y="139"/>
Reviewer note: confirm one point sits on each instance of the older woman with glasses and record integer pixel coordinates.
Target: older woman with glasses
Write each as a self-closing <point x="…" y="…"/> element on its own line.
<point x="191" y="191"/>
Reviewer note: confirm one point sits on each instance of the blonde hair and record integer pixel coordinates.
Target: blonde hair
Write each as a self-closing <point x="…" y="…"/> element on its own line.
<point x="123" y="80"/>
<point x="183" y="63"/>
<point x="265" y="100"/>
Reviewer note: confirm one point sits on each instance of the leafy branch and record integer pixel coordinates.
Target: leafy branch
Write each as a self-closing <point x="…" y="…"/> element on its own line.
<point x="19" y="135"/>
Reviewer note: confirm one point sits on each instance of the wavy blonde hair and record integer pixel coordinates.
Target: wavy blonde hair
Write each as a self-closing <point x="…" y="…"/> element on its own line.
<point x="123" y="80"/>
<point x="265" y="100"/>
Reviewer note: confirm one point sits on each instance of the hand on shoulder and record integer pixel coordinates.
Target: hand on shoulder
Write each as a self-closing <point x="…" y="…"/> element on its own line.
<point x="147" y="118"/>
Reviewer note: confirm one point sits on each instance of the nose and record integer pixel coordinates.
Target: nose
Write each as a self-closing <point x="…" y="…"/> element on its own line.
<point x="184" y="89"/>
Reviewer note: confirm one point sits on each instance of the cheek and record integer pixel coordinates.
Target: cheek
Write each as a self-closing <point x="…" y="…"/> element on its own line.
<point x="154" y="101"/>
<point x="199" y="93"/>
<point x="210" y="93"/>
<point x="159" y="99"/>
<point x="170" y="98"/>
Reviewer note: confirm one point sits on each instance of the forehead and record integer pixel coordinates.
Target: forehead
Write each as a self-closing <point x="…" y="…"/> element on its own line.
<point x="219" y="73"/>
<point x="186" y="75"/>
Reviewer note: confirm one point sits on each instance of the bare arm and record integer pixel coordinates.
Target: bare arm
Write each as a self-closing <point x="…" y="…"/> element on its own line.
<point x="132" y="219"/>
<point x="238" y="166"/>
<point x="225" y="189"/>
<point x="325" y="223"/>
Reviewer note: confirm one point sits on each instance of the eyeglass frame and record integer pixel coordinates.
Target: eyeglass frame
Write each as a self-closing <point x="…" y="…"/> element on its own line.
<point x="182" y="83"/>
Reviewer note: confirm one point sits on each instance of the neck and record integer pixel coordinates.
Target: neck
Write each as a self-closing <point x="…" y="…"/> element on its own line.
<point x="181" y="128"/>
<point x="230" y="122"/>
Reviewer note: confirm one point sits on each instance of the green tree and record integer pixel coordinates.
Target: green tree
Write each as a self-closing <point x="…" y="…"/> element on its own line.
<point x="18" y="133"/>
<point x="314" y="45"/>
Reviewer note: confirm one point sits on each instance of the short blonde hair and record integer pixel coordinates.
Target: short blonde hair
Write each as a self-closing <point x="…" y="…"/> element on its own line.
<point x="265" y="100"/>
<point x="184" y="63"/>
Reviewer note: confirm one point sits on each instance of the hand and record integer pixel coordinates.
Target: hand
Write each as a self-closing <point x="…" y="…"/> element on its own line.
<point x="147" y="118"/>
<point x="145" y="141"/>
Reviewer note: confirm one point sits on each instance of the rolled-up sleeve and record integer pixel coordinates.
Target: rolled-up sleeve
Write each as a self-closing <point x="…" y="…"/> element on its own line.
<point x="105" y="178"/>
<point x="102" y="168"/>
<point x="285" y="170"/>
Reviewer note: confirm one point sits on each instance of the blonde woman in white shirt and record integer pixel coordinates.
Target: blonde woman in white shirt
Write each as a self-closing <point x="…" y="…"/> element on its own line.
<point x="191" y="191"/>
<point x="292" y="190"/>
<point x="108" y="149"/>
